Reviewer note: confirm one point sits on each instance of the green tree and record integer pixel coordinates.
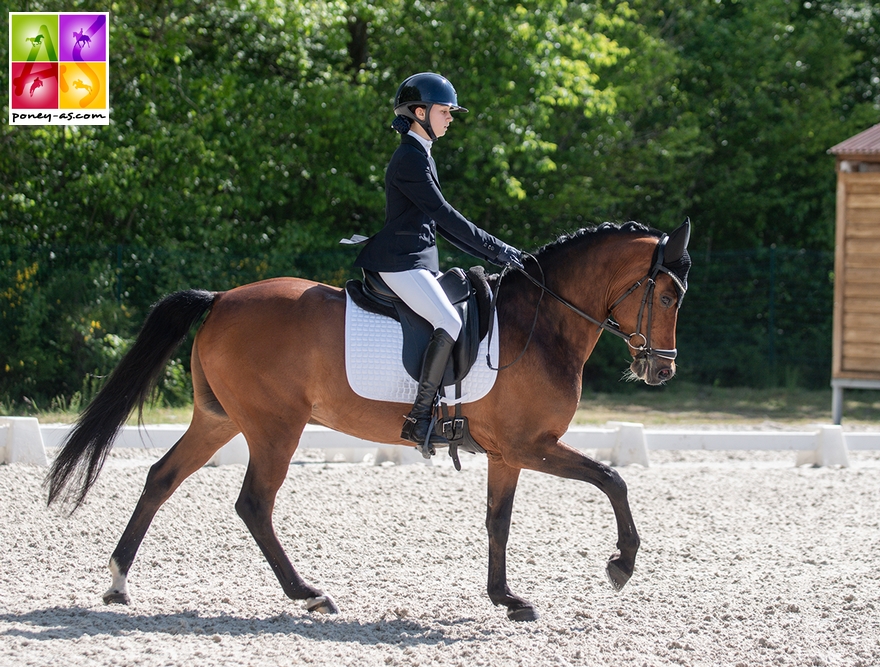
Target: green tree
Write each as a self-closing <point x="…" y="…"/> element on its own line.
<point x="766" y="82"/>
<point x="247" y="137"/>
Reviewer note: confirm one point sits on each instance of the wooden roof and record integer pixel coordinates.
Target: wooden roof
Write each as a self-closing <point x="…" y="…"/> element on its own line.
<point x="864" y="143"/>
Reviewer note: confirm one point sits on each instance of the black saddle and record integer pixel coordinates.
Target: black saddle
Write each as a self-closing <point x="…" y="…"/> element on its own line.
<point x="470" y="294"/>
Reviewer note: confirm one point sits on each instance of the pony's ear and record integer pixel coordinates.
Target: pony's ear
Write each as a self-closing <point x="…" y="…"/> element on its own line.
<point x="678" y="241"/>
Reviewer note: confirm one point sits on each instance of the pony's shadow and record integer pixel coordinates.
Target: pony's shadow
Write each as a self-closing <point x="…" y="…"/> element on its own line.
<point x="75" y="622"/>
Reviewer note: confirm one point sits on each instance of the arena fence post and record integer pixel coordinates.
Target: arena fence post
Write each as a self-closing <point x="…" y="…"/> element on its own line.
<point x="23" y="441"/>
<point x="629" y="446"/>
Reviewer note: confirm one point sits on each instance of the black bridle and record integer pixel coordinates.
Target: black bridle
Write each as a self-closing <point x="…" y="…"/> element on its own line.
<point x="637" y="341"/>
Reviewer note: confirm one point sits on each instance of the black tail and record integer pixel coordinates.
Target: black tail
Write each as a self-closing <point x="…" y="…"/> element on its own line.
<point x="85" y="449"/>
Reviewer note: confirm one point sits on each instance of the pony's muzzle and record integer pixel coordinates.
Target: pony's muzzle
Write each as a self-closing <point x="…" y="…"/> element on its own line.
<point x="652" y="369"/>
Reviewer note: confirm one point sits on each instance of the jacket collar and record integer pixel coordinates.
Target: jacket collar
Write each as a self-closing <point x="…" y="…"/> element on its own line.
<point x="410" y="140"/>
<point x="413" y="140"/>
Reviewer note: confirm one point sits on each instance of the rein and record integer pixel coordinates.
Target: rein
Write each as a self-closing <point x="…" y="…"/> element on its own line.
<point x="643" y="350"/>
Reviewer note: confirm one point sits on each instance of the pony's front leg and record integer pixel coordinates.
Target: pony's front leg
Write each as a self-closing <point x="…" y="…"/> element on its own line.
<point x="502" y="487"/>
<point x="557" y="458"/>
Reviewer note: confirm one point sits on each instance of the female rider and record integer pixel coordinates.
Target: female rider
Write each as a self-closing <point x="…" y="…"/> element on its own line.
<point x="404" y="251"/>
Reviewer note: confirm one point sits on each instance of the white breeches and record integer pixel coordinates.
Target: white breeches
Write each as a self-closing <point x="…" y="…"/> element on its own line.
<point x="420" y="291"/>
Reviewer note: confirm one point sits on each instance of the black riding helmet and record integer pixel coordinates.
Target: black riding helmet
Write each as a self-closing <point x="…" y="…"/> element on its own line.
<point x="425" y="89"/>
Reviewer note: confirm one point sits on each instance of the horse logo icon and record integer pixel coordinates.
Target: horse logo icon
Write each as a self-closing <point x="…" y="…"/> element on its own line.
<point x="81" y="38"/>
<point x="38" y="83"/>
<point x="82" y="86"/>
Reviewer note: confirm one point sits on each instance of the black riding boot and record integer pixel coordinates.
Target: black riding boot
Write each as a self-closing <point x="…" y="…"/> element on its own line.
<point x="418" y="427"/>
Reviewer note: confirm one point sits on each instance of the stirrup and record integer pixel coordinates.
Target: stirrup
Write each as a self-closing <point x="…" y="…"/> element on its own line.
<point x="426" y="448"/>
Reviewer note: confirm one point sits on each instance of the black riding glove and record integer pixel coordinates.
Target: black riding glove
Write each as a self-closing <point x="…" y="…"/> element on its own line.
<point x="510" y="256"/>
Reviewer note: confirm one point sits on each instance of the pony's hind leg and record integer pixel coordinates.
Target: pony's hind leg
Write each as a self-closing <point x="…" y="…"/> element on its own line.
<point x="266" y="472"/>
<point x="202" y="439"/>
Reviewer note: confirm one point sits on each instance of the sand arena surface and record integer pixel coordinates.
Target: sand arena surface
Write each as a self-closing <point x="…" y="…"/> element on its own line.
<point x="745" y="560"/>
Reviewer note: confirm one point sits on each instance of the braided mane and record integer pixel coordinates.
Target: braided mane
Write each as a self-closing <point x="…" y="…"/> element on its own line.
<point x="590" y="235"/>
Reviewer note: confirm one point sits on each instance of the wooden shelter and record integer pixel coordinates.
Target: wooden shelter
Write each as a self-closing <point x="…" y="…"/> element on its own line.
<point x="856" y="337"/>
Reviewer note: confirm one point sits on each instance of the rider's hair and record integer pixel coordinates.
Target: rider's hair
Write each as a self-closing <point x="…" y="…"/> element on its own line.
<point x="401" y="124"/>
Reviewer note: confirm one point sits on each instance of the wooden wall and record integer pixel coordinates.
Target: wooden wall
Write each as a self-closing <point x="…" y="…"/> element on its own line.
<point x="857" y="277"/>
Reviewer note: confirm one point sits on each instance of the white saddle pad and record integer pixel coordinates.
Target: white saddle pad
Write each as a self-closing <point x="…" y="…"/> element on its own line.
<point x="373" y="363"/>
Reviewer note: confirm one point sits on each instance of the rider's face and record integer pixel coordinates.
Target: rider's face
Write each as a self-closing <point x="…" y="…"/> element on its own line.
<point x="441" y="117"/>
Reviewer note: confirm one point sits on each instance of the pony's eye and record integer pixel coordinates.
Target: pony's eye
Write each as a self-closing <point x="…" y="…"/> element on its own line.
<point x="666" y="301"/>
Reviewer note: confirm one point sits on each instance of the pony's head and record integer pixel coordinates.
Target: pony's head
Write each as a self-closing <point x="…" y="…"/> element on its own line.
<point x="652" y="311"/>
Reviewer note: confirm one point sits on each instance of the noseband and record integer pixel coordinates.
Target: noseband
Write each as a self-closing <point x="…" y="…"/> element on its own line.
<point x="637" y="341"/>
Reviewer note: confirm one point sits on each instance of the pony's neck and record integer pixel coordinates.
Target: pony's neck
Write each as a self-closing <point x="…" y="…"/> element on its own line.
<point x="591" y="274"/>
<point x="584" y="279"/>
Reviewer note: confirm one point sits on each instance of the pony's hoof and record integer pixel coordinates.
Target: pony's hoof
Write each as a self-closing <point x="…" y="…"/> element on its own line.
<point x="116" y="597"/>
<point x="616" y="576"/>
<point x="322" y="605"/>
<point x="522" y="614"/>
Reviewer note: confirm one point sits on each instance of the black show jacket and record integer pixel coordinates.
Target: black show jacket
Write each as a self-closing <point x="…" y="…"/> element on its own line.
<point x="415" y="211"/>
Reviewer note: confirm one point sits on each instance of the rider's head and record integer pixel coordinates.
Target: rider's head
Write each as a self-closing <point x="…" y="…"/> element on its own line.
<point x="429" y="100"/>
